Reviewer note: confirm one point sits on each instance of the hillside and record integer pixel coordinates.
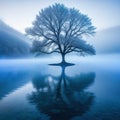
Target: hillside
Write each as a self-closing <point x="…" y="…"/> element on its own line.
<point x="107" y="40"/>
<point x="12" y="43"/>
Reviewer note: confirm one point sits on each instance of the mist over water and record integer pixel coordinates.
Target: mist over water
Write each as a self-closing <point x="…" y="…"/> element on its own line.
<point x="37" y="88"/>
<point x="32" y="89"/>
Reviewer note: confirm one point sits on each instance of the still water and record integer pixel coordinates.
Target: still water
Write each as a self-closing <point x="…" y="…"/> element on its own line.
<point x="34" y="90"/>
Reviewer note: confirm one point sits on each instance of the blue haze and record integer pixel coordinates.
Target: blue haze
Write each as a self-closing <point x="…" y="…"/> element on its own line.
<point x="89" y="90"/>
<point x="29" y="88"/>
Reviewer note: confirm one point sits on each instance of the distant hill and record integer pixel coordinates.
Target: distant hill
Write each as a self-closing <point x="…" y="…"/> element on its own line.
<point x="107" y="40"/>
<point x="12" y="42"/>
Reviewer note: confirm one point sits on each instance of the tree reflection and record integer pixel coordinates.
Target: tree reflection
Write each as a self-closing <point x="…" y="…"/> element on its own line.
<point x="62" y="97"/>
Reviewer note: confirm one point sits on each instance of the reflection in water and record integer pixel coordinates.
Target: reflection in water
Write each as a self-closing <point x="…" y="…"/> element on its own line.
<point x="11" y="80"/>
<point x="62" y="97"/>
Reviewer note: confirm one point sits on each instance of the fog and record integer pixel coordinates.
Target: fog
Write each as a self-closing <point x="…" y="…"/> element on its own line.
<point x="106" y="61"/>
<point x="12" y="43"/>
<point x="91" y="86"/>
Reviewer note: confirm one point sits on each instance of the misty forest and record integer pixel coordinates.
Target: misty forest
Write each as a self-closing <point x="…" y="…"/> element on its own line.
<point x="59" y="61"/>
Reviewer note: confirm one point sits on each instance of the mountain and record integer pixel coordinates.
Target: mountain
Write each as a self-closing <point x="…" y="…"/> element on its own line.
<point x="12" y="43"/>
<point x="107" y="40"/>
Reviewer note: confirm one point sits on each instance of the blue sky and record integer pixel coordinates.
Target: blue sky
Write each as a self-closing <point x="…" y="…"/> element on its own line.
<point x="19" y="14"/>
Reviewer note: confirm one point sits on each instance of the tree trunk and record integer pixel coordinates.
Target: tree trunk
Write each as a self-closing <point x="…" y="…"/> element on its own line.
<point x="63" y="58"/>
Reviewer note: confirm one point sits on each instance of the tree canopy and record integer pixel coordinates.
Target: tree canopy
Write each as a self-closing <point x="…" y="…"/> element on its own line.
<point x="61" y="29"/>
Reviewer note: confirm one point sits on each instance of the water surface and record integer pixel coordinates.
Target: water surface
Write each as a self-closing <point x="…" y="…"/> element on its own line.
<point x="34" y="90"/>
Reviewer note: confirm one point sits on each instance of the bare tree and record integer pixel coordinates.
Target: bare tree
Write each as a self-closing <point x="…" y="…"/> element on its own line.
<point x="61" y="29"/>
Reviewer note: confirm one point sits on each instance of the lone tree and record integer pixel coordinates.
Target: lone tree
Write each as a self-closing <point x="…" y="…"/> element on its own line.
<point x="61" y="29"/>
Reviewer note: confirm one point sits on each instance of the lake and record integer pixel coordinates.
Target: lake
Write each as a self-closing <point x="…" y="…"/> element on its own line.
<point x="30" y="89"/>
